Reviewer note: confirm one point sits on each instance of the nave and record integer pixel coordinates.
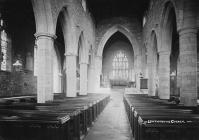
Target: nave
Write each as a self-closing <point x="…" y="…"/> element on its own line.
<point x="141" y="117"/>
<point x="154" y="119"/>
<point x="112" y="123"/>
<point x="21" y="118"/>
<point x="115" y="116"/>
<point x="60" y="59"/>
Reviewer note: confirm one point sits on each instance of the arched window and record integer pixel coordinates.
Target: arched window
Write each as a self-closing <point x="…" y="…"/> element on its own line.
<point x="4" y="46"/>
<point x="120" y="66"/>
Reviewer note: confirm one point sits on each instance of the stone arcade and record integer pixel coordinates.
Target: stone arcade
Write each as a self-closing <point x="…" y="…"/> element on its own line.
<point x="63" y="53"/>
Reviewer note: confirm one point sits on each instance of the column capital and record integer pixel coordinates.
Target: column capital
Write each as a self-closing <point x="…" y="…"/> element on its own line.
<point x="46" y="35"/>
<point x="188" y="30"/>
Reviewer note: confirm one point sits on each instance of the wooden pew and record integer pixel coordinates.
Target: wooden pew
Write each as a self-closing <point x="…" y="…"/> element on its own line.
<point x="166" y="128"/>
<point x="82" y="112"/>
<point x="32" y="126"/>
<point x="153" y="119"/>
<point x="156" y="112"/>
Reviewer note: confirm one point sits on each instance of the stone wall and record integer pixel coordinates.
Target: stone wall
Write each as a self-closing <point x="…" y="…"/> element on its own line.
<point x="133" y="25"/>
<point x="108" y="57"/>
<point x="154" y="16"/>
<point x="186" y="20"/>
<point x="131" y="28"/>
<point x="17" y="83"/>
<point x="76" y="20"/>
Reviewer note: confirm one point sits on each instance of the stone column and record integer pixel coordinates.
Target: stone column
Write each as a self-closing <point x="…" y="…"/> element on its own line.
<point x="144" y="61"/>
<point x="91" y="79"/>
<point x="151" y="83"/>
<point x="188" y="61"/>
<point x="179" y="76"/>
<point x="71" y="75"/>
<point x="45" y="44"/>
<point x="164" y="75"/>
<point x="83" y="79"/>
<point x="35" y="59"/>
<point x="98" y="71"/>
<point x="138" y="65"/>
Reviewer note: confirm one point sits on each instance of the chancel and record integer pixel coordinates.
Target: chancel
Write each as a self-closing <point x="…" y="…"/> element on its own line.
<point x="99" y="70"/>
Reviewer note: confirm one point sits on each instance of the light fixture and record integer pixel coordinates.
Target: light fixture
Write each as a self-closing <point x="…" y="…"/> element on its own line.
<point x="173" y="74"/>
<point x="17" y="63"/>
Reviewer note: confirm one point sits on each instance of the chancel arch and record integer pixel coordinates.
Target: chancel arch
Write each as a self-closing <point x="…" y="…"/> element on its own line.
<point x="117" y="62"/>
<point x="113" y="30"/>
<point x="107" y="35"/>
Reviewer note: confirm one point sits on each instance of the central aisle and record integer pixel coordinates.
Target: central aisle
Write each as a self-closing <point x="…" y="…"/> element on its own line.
<point x="112" y="123"/>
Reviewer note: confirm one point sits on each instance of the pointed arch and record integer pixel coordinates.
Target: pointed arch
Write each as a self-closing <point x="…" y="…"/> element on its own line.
<point x="60" y="45"/>
<point x="43" y="16"/>
<point x="65" y="25"/>
<point x="64" y="13"/>
<point x="82" y="51"/>
<point x="170" y="44"/>
<point x="168" y="17"/>
<point x="124" y="31"/>
<point x="154" y="44"/>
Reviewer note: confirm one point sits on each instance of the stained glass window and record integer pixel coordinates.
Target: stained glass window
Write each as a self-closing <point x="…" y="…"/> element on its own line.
<point x="120" y="66"/>
<point x="4" y="52"/>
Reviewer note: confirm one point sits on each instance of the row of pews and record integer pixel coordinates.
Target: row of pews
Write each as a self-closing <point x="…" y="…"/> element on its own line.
<point x="61" y="119"/>
<point x="155" y="119"/>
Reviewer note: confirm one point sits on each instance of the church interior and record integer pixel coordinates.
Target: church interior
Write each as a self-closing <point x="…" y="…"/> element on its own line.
<point x="99" y="70"/>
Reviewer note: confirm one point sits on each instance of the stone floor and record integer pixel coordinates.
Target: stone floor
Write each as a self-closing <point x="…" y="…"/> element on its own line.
<point x="112" y="123"/>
